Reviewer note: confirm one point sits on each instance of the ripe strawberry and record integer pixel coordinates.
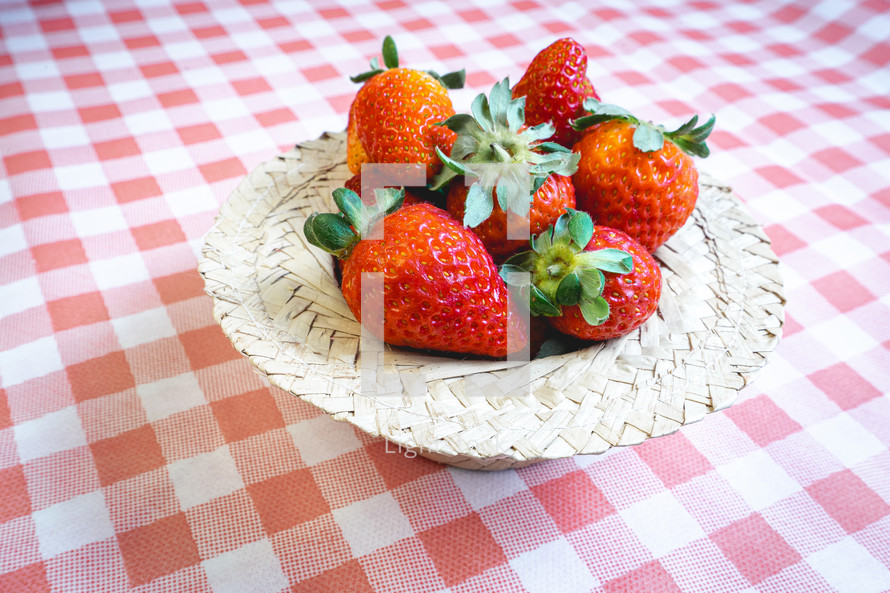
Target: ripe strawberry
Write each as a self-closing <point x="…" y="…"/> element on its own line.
<point x="391" y="116"/>
<point x="441" y="290"/>
<point x="555" y="84"/>
<point x="630" y="179"/>
<point x="529" y="177"/>
<point x="591" y="282"/>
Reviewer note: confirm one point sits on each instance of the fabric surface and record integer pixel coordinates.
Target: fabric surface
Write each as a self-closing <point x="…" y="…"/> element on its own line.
<point x="138" y="451"/>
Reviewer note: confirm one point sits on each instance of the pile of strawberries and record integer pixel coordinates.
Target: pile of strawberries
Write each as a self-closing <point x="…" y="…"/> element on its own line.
<point x="542" y="198"/>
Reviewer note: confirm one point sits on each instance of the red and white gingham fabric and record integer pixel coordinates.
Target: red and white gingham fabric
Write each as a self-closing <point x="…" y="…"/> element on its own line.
<point x="138" y="451"/>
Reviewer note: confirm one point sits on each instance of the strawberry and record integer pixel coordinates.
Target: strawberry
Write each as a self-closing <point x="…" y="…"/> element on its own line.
<point x="391" y="116"/>
<point x="508" y="168"/>
<point x="636" y="176"/>
<point x="591" y="282"/>
<point x="555" y="84"/>
<point x="441" y="290"/>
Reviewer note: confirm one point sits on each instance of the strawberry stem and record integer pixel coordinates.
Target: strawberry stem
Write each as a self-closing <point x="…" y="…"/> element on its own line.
<point x="559" y="272"/>
<point x="649" y="137"/>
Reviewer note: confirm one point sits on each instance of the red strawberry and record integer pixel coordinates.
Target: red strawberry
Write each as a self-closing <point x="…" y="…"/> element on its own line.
<point x="555" y="85"/>
<point x="391" y="118"/>
<point x="591" y="282"/>
<point x="441" y="290"/>
<point x="631" y="179"/>
<point x="514" y="170"/>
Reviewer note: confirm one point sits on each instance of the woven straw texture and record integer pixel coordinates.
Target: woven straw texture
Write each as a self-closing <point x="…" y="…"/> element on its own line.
<point x="278" y="301"/>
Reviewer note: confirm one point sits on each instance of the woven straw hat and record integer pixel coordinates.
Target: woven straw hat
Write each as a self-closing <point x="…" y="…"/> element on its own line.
<point x="276" y="298"/>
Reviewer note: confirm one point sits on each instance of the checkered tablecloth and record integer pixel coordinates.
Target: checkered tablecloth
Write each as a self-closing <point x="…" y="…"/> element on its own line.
<point x="138" y="451"/>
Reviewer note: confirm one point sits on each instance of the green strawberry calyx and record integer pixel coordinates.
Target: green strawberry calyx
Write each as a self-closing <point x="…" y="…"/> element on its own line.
<point x="495" y="146"/>
<point x="559" y="272"/>
<point x="648" y="136"/>
<point x="451" y="80"/>
<point x="337" y="233"/>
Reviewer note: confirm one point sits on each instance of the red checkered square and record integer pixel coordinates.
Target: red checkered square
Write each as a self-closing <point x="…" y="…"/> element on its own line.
<point x="221" y="170"/>
<point x="273" y="22"/>
<point x="319" y="73"/>
<point x="755" y="548"/>
<point x="15" y="501"/>
<point x="116" y="149"/>
<point x="19" y="123"/>
<point x="28" y="579"/>
<point x="275" y="117"/>
<point x="478" y="550"/>
<point x="72" y="51"/>
<point x="229" y="57"/>
<point x="127" y="454"/>
<point x="431" y="500"/>
<point x="51" y="478"/>
<point x="12" y="89"/>
<point x="77" y="310"/>
<point x="650" y="577"/>
<point x="190" y="8"/>
<point x="322" y="535"/>
<point x="843" y="291"/>
<point x="143" y="42"/>
<point x="364" y="482"/>
<point x="214" y="537"/>
<point x="125" y="16"/>
<point x="158" y="549"/>
<point x="250" y="86"/>
<point x="762" y="420"/>
<point x="849" y="500"/>
<point x="100" y="376"/>
<point x="83" y="81"/>
<point x="844" y="386"/>
<point x="199" y="133"/>
<point x="141" y="500"/>
<point x="288" y="500"/>
<point x="209" y="32"/>
<point x="159" y="69"/>
<point x="519" y="524"/>
<point x="37" y="205"/>
<point x="27" y="161"/>
<point x="247" y="414"/>
<point x="840" y="217"/>
<point x="159" y="234"/>
<point x="349" y="576"/>
<point x="189" y="433"/>
<point x="265" y="455"/>
<point x="136" y="189"/>
<point x="177" y="98"/>
<point x="573" y="501"/>
<point x="97" y="113"/>
<point x="208" y="346"/>
<point x="673" y="459"/>
<point x="397" y="469"/>
<point x="179" y="287"/>
<point x="61" y="254"/>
